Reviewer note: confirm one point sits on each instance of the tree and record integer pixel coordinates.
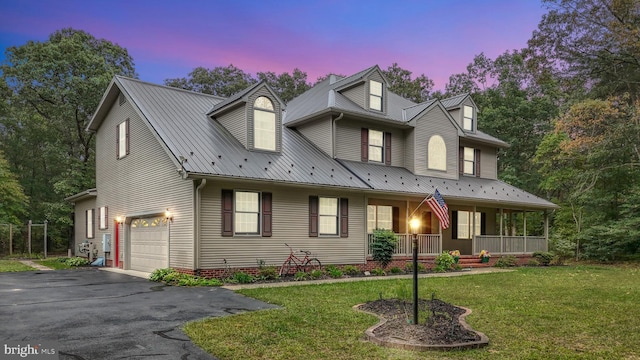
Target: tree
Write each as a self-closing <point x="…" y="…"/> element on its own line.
<point x="384" y="242"/>
<point x="13" y="201"/>
<point x="287" y="86"/>
<point x="400" y="82"/>
<point x="220" y="81"/>
<point x="591" y="43"/>
<point x="54" y="87"/>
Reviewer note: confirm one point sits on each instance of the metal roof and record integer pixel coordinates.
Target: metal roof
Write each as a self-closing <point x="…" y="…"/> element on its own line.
<point x="179" y="118"/>
<point x="453" y="101"/>
<point x="466" y="188"/>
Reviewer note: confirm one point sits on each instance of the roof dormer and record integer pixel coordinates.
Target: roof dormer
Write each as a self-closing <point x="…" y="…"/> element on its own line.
<point x="464" y="111"/>
<point x="254" y="117"/>
<point x="367" y="88"/>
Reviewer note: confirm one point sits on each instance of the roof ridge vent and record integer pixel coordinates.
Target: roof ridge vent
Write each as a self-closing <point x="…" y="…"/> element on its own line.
<point x="332" y="79"/>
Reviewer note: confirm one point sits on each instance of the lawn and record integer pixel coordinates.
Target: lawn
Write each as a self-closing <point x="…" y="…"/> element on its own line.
<point x="54" y="263"/>
<point x="13" y="266"/>
<point x="572" y="312"/>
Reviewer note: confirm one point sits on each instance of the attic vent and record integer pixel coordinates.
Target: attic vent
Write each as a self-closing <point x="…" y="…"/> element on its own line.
<point x="121" y="99"/>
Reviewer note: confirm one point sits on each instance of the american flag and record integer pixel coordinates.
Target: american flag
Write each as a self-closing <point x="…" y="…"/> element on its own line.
<point x="440" y="208"/>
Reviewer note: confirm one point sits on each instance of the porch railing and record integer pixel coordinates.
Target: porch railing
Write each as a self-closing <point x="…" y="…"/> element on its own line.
<point x="428" y="244"/>
<point x="509" y="244"/>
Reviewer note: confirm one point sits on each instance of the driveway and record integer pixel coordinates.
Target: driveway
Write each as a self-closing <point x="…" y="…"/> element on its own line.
<point x="94" y="314"/>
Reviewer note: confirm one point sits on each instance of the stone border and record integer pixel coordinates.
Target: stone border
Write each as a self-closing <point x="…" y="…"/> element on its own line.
<point x="400" y="344"/>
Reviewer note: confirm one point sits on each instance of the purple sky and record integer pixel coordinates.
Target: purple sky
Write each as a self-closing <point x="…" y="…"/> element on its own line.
<point x="168" y="39"/>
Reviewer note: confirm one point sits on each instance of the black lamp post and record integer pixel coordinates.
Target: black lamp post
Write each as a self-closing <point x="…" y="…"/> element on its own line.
<point x="414" y="224"/>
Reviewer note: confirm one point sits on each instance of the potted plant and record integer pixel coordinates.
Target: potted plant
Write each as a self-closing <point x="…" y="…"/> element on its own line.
<point x="484" y="256"/>
<point x="455" y="254"/>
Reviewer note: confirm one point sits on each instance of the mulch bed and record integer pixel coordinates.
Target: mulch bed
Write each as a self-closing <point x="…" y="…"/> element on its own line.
<point x="442" y="327"/>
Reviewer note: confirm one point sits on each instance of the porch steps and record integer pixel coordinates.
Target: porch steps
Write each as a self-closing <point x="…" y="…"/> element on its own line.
<point x="471" y="261"/>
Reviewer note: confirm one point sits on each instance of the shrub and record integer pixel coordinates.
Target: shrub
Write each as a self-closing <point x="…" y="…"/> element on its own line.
<point x="378" y="272"/>
<point x="396" y="270"/>
<point x="408" y="267"/>
<point x="533" y="262"/>
<point x="384" y="242"/>
<point x="76" y="261"/>
<point x="268" y="273"/>
<point x="564" y="248"/>
<point x="158" y="275"/>
<point x="300" y="276"/>
<point x="444" y="262"/>
<point x="316" y="274"/>
<point x="243" y="278"/>
<point x="543" y="257"/>
<point x="506" y="261"/>
<point x="351" y="270"/>
<point x="334" y="272"/>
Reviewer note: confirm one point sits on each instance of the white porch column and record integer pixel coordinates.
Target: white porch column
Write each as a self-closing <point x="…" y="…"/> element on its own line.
<point x="546" y="230"/>
<point x="524" y="228"/>
<point x="473" y="231"/>
<point x="501" y="230"/>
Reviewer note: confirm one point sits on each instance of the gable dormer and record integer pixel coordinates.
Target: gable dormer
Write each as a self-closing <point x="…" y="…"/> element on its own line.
<point x="464" y="111"/>
<point x="254" y="117"/>
<point x="368" y="89"/>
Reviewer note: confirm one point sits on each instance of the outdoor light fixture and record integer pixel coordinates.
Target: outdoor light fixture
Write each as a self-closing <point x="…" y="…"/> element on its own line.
<point x="119" y="219"/>
<point x="414" y="224"/>
<point x="168" y="215"/>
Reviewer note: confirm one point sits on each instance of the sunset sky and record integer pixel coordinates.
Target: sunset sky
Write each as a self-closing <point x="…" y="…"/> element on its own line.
<point x="168" y="39"/>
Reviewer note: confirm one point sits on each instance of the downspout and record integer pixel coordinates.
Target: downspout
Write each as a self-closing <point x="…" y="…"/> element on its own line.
<point x="333" y="135"/>
<point x="196" y="221"/>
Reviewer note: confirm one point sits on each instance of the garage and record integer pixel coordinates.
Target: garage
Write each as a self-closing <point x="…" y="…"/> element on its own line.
<point x="149" y="241"/>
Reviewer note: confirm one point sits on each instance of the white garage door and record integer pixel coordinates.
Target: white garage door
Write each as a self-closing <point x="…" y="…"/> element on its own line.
<point x="149" y="244"/>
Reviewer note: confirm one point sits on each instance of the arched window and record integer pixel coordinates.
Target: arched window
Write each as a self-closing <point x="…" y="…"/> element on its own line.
<point x="264" y="124"/>
<point x="437" y="153"/>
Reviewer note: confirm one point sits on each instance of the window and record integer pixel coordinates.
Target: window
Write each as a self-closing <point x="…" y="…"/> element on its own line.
<point x="89" y="222"/>
<point x="328" y="216"/>
<point x="376" y="145"/>
<point x="467" y="121"/>
<point x="103" y="216"/>
<point x="375" y="95"/>
<point x="379" y="217"/>
<point x="469" y="165"/>
<point x="466" y="226"/>
<point x="122" y="139"/>
<point x="264" y="124"/>
<point x="246" y="213"/>
<point x="437" y="153"/>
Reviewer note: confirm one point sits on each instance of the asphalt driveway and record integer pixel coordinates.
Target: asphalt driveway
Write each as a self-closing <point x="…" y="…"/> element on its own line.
<point x="94" y="314"/>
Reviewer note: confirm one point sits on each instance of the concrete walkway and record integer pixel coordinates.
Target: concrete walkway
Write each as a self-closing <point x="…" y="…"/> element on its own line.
<point x="370" y="278"/>
<point x="35" y="265"/>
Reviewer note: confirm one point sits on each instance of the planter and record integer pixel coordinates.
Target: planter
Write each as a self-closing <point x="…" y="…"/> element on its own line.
<point x="484" y="259"/>
<point x="456" y="258"/>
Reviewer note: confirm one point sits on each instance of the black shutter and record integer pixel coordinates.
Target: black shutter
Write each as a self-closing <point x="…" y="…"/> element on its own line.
<point x="483" y="223"/>
<point x="461" y="160"/>
<point x="396" y="219"/>
<point x="344" y="217"/>
<point x="387" y="148"/>
<point x="227" y="212"/>
<point x="364" y="145"/>
<point x="266" y="214"/>
<point x="313" y="216"/>
<point x="454" y="224"/>
<point x="477" y="161"/>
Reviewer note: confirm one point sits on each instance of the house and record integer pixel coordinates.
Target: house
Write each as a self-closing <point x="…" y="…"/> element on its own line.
<point x="197" y="182"/>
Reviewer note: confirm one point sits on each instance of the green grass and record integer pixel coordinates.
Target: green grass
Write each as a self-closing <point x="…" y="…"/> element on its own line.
<point x="573" y="312"/>
<point x="54" y="263"/>
<point x="13" y="266"/>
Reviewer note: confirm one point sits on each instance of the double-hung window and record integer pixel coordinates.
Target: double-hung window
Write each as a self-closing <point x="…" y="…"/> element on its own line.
<point x="468" y="224"/>
<point x="103" y="215"/>
<point x="328" y="216"/>
<point x="379" y="217"/>
<point x="469" y="163"/>
<point x="247" y="213"/>
<point x="90" y="233"/>
<point x="122" y="139"/>
<point x="375" y="95"/>
<point x="376" y="146"/>
<point x="467" y="120"/>
<point x="264" y="124"/>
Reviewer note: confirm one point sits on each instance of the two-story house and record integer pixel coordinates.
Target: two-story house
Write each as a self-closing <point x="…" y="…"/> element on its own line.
<point x="194" y="181"/>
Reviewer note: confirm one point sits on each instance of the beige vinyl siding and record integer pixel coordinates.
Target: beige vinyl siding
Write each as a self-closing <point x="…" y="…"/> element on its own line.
<point x="235" y="121"/>
<point x="357" y="94"/>
<point x="290" y="225"/>
<point x="435" y="122"/>
<point x="319" y="132"/>
<point x="262" y="91"/>
<point x="80" y="228"/>
<point x="456" y="114"/>
<point x="143" y="182"/>
<point x="348" y="138"/>
<point x="409" y="149"/>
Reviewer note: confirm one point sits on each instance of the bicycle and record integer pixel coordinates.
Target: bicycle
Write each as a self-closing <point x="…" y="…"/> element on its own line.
<point x="304" y="264"/>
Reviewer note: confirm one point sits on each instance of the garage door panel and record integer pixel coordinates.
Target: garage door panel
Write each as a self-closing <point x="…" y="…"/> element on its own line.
<point x="149" y="245"/>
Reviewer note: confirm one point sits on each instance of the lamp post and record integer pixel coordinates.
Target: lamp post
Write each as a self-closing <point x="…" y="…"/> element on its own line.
<point x="414" y="224"/>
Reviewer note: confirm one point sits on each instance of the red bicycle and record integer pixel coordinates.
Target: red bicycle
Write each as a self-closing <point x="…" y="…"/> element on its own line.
<point x="304" y="264"/>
